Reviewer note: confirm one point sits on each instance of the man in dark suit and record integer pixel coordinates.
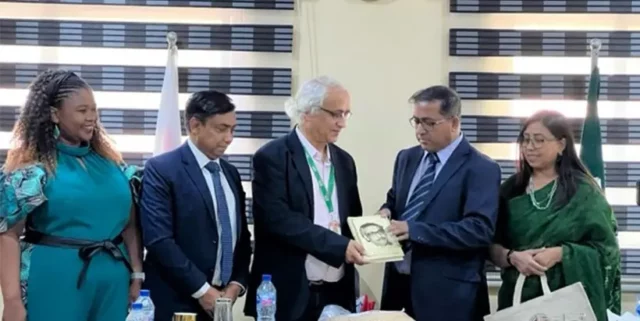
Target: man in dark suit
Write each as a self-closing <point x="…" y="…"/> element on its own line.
<point x="193" y="216"/>
<point x="444" y="204"/>
<point x="304" y="188"/>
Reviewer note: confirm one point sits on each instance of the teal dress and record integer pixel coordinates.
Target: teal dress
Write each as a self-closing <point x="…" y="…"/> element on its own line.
<point x="87" y="198"/>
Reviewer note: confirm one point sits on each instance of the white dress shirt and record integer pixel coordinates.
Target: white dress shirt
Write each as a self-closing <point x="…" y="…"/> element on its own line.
<point x="203" y="160"/>
<point x="443" y="156"/>
<point x="316" y="269"/>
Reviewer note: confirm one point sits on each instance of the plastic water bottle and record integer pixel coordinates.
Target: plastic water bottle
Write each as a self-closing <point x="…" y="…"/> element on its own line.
<point x="266" y="300"/>
<point x="148" y="309"/>
<point x="136" y="312"/>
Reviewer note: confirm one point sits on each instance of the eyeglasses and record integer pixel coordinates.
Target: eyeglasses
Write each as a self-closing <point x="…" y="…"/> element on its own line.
<point x="536" y="141"/>
<point x="427" y="124"/>
<point x="337" y="114"/>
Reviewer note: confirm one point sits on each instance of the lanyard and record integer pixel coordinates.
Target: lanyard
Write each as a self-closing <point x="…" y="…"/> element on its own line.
<point x="326" y="192"/>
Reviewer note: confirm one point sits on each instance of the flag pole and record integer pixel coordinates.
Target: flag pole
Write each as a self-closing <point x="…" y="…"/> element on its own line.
<point x="595" y="46"/>
<point x="172" y="40"/>
<point x="168" y="129"/>
<point x="591" y="138"/>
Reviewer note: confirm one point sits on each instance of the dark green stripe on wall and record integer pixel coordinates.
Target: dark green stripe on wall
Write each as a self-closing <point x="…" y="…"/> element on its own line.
<point x="267" y="38"/>
<point x="507" y="86"/>
<point x="237" y="4"/>
<point x="234" y="81"/>
<point x="541" y="43"/>
<point x="251" y="124"/>
<point x="544" y="6"/>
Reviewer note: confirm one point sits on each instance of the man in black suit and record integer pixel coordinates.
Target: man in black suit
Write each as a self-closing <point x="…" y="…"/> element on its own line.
<point x="443" y="203"/>
<point x="304" y="188"/>
<point x="193" y="216"/>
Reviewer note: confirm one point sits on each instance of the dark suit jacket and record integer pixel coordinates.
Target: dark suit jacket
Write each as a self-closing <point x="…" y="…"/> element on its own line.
<point x="180" y="233"/>
<point x="284" y="228"/>
<point x="451" y="236"/>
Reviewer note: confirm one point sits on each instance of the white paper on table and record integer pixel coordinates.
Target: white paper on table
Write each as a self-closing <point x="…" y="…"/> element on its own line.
<point x="612" y="316"/>
<point x="627" y="316"/>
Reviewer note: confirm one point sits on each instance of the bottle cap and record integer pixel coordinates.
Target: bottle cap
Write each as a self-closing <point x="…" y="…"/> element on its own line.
<point x="266" y="277"/>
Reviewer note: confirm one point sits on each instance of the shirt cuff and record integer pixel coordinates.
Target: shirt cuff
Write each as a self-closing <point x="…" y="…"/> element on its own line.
<point x="242" y="289"/>
<point x="202" y="291"/>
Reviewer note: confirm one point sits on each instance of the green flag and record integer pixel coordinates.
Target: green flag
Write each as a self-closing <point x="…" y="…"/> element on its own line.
<point x="591" y="151"/>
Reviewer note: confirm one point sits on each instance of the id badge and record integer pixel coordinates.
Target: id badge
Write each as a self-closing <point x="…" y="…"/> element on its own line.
<point x="334" y="226"/>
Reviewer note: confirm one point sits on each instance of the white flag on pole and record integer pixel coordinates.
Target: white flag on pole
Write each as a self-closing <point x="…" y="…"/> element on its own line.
<point x="168" y="132"/>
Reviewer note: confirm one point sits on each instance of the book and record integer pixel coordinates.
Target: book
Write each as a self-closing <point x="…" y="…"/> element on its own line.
<point x="372" y="232"/>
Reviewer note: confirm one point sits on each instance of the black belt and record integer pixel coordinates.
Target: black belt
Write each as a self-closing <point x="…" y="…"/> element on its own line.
<point x="86" y="249"/>
<point x="316" y="286"/>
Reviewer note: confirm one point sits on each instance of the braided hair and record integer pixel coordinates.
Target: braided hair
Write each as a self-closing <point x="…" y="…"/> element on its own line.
<point x="33" y="133"/>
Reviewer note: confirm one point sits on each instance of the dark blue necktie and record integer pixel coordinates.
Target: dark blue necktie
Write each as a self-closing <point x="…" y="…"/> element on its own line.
<point x="226" y="236"/>
<point x="416" y="205"/>
<point x="416" y="200"/>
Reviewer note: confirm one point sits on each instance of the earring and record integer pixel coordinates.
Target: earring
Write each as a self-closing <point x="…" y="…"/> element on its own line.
<point x="56" y="131"/>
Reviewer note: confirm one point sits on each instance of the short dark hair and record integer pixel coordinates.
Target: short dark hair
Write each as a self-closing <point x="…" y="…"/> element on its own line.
<point x="365" y="225"/>
<point x="205" y="104"/>
<point x="449" y="99"/>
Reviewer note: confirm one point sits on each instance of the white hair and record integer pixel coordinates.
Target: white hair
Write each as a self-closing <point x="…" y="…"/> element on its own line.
<point x="310" y="97"/>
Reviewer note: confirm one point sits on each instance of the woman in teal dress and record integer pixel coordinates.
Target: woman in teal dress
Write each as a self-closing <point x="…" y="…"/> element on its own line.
<point x="67" y="192"/>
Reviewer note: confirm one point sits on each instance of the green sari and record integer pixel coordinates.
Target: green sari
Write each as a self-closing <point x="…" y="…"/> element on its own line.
<point x="585" y="228"/>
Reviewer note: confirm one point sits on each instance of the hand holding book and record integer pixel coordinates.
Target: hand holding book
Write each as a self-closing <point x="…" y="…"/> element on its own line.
<point x="372" y="232"/>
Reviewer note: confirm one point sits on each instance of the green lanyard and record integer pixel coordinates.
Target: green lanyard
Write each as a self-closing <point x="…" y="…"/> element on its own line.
<point x="326" y="193"/>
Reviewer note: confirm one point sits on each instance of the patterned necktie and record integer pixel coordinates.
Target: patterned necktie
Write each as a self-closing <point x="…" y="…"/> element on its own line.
<point x="416" y="200"/>
<point x="415" y="206"/>
<point x="226" y="238"/>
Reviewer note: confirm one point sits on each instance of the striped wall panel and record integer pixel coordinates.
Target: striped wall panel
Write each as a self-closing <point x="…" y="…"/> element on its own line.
<point x="482" y="85"/>
<point x="508" y="66"/>
<point x="243" y="52"/>
<point x="240" y="4"/>
<point x="253" y="124"/>
<point x="561" y="43"/>
<point x="544" y="6"/>
<point x="267" y="38"/>
<point x="630" y="264"/>
<point x="618" y="174"/>
<point x="238" y="81"/>
<point x="487" y="129"/>
<point x="242" y="162"/>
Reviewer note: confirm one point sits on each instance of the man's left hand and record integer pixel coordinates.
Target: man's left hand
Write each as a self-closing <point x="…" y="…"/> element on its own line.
<point x="232" y="291"/>
<point x="134" y="290"/>
<point x="400" y="229"/>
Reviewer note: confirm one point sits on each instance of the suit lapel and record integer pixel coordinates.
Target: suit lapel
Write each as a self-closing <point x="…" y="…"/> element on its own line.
<point x="195" y="173"/>
<point x="457" y="158"/>
<point x="233" y="183"/>
<point x="301" y="165"/>
<point x="341" y="177"/>
<point x="411" y="166"/>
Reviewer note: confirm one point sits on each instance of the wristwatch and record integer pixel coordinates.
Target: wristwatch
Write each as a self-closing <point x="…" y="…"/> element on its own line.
<point x="137" y="276"/>
<point x="509" y="257"/>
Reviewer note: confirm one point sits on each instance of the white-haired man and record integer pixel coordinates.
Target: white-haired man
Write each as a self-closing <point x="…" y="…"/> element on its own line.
<point x="304" y="188"/>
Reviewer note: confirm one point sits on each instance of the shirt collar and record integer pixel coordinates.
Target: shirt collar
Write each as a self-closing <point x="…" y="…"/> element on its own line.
<point x="445" y="153"/>
<point x="201" y="158"/>
<point x="306" y="144"/>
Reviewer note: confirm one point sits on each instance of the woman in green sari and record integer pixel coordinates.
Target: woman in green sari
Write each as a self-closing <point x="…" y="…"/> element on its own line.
<point x="555" y="220"/>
